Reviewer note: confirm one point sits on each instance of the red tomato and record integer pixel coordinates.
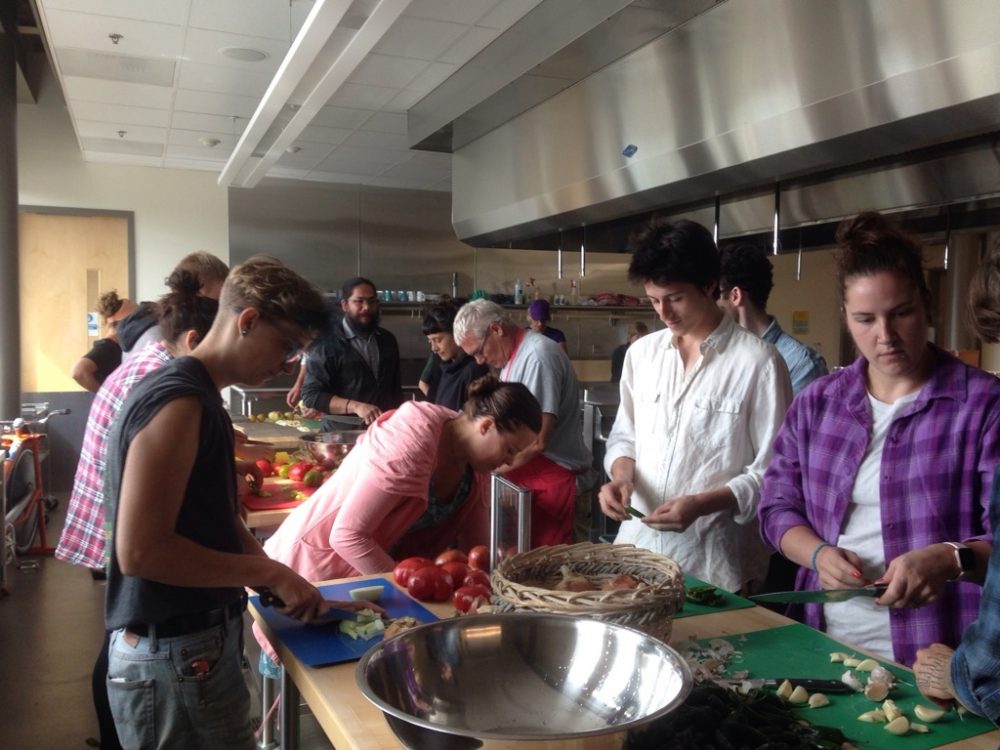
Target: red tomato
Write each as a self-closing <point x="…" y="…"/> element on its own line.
<point x="430" y="584"/>
<point x="457" y="571"/>
<point x="404" y="568"/>
<point x="467" y="596"/>
<point x="479" y="557"/>
<point x="265" y="466"/>
<point x="477" y="578"/>
<point x="451" y="555"/>
<point x="298" y="471"/>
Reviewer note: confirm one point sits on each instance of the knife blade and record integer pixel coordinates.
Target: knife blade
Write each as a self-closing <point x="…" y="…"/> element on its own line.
<point x="270" y="599"/>
<point x="823" y="596"/>
<point x="811" y="684"/>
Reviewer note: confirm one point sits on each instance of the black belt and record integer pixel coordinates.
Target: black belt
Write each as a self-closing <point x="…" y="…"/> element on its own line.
<point x="184" y="624"/>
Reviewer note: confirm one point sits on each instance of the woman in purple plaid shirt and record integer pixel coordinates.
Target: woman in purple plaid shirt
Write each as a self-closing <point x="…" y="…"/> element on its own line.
<point x="882" y="471"/>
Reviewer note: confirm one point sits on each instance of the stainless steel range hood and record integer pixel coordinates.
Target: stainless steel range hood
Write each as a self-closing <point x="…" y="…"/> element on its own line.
<point x="738" y="97"/>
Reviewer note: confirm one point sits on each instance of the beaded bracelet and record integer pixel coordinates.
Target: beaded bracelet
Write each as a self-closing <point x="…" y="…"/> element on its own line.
<point x="819" y="546"/>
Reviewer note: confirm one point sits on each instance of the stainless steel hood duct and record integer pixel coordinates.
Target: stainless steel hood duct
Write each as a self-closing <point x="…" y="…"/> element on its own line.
<point x="746" y="94"/>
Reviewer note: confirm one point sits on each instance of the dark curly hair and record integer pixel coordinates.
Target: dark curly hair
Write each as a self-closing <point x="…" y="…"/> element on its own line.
<point x="182" y="309"/>
<point x="667" y="253"/>
<point x="984" y="296"/>
<point x="747" y="266"/>
<point x="441" y="317"/>
<point x="870" y="243"/>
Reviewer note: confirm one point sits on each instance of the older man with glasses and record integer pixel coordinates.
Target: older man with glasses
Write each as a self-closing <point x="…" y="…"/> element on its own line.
<point x="549" y="467"/>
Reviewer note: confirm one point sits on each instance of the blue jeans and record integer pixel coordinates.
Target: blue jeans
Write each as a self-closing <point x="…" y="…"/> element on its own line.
<point x="182" y="692"/>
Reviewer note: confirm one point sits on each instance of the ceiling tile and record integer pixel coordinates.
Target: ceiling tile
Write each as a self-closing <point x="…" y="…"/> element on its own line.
<point x="211" y="103"/>
<point x="386" y="70"/>
<point x="193" y="138"/>
<point x="387" y="122"/>
<point x="108" y="130"/>
<point x="121" y="114"/>
<point x="216" y="156"/>
<point x="372" y="139"/>
<point x="121" y="146"/>
<point x="336" y="163"/>
<point x="262" y="18"/>
<point x="106" y="157"/>
<point x="319" y="134"/>
<point x="341" y="117"/>
<point x="223" y="79"/>
<point x="380" y="156"/>
<point x="117" y="92"/>
<point x="329" y="175"/>
<point x="404" y="100"/>
<point x="180" y="162"/>
<point x="175" y="12"/>
<point x="506" y="13"/>
<point x="433" y="76"/>
<point x="458" y="11"/>
<point x="309" y="155"/>
<point x="419" y="38"/>
<point x="139" y="38"/>
<point x="362" y="97"/>
<point x="108" y="66"/>
<point x="474" y="41"/>
<point x="204" y="46"/>
<point x="208" y="123"/>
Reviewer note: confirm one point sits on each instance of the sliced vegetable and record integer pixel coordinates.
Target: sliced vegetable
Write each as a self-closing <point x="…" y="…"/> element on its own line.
<point x="899" y="725"/>
<point x="875" y="716"/>
<point x="366" y="593"/>
<point x="928" y="714"/>
<point x="633" y="512"/>
<point x="707" y="595"/>
<point x="867" y="665"/>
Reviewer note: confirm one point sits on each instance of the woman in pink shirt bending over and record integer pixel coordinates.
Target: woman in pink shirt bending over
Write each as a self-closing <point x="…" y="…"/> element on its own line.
<point x="415" y="483"/>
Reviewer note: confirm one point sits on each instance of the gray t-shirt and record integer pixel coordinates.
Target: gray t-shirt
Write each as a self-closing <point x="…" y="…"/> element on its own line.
<point x="543" y="367"/>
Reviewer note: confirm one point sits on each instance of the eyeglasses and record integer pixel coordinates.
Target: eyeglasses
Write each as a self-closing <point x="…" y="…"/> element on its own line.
<point x="362" y="301"/>
<point x="482" y="345"/>
<point x="293" y="344"/>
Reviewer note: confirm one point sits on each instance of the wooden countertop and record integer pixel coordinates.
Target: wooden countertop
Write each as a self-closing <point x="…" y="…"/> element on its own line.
<point x="352" y="723"/>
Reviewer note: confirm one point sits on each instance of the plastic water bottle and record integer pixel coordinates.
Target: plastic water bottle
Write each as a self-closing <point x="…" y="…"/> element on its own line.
<point x="518" y="295"/>
<point x="574" y="295"/>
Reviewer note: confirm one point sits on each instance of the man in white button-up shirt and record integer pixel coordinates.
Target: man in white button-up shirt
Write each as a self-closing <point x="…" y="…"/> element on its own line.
<point x="701" y="403"/>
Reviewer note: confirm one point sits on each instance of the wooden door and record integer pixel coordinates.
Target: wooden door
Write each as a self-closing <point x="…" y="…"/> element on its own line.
<point x="66" y="262"/>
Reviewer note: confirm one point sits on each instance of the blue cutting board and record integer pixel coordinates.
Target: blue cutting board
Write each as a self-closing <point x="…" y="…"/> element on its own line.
<point x="320" y="645"/>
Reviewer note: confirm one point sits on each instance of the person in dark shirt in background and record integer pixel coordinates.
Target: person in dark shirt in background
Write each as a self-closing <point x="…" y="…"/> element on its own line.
<point x="539" y="316"/>
<point x="106" y="354"/>
<point x="354" y="369"/>
<point x="449" y="369"/>
<point x="636" y="330"/>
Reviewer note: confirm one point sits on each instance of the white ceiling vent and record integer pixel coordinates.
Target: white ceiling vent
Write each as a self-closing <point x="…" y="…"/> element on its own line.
<point x="122" y="146"/>
<point x="89" y="64"/>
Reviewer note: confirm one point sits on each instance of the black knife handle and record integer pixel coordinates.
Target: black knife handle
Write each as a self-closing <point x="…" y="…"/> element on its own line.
<point x="269" y="599"/>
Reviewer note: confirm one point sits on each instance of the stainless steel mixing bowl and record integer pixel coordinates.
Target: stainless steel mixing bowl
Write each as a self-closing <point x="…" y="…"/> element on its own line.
<point x="328" y="449"/>
<point x="461" y="682"/>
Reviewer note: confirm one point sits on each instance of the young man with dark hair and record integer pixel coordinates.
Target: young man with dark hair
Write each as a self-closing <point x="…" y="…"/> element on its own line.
<point x="701" y="402"/>
<point x="745" y="285"/>
<point x="355" y="368"/>
<point x="449" y="370"/>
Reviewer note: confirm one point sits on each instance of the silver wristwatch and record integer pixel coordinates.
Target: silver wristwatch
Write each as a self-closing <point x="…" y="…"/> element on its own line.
<point x="965" y="558"/>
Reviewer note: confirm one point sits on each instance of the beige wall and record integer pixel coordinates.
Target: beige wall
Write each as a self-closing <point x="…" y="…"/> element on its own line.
<point x="176" y="211"/>
<point x="814" y="293"/>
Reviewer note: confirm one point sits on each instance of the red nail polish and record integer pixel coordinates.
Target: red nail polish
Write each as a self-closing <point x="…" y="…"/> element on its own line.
<point x="856" y="574"/>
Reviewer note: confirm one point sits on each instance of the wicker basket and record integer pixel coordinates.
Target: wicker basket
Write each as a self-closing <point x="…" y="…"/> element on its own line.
<point x="526" y="581"/>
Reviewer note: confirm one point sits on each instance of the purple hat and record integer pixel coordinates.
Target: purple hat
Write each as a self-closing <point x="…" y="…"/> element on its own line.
<point x="539" y="310"/>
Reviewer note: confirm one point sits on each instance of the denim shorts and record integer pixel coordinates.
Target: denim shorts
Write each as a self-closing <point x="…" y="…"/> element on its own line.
<point x="182" y="692"/>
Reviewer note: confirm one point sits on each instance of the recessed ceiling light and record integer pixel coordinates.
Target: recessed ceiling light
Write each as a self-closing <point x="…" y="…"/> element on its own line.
<point x="243" y="54"/>
<point x="293" y="149"/>
<point x="207" y="140"/>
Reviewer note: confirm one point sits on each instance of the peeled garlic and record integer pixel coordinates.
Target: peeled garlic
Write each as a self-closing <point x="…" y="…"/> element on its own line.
<point x="818" y="700"/>
<point x="851" y="661"/>
<point x="849" y="679"/>
<point x="799" y="695"/>
<point x="921" y="728"/>
<point x="784" y="689"/>
<point x="892" y="711"/>
<point x="928" y="714"/>
<point x="876" y="691"/>
<point x="875" y="716"/>
<point x="881" y="674"/>
<point x="899" y="725"/>
<point x="837" y="656"/>
<point x="867" y="665"/>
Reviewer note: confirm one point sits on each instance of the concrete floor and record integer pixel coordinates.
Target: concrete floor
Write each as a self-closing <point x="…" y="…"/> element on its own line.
<point x="51" y="625"/>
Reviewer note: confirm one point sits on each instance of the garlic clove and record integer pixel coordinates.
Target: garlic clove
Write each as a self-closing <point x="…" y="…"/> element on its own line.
<point x="875" y="716"/>
<point x="900" y="725"/>
<point x="851" y="661"/>
<point x="920" y="728"/>
<point x="892" y="711"/>
<point x="867" y="665"/>
<point x="799" y="695"/>
<point x="928" y="714"/>
<point x="785" y="689"/>
<point x="818" y="700"/>
<point x="851" y="680"/>
<point x="876" y="691"/>
<point x="837" y="656"/>
<point x="881" y="674"/>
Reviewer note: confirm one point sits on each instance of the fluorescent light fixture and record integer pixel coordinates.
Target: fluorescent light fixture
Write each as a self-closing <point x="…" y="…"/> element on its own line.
<point x="312" y="71"/>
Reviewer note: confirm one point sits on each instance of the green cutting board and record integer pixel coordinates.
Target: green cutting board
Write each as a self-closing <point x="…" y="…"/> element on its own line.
<point x="800" y="651"/>
<point x="731" y="601"/>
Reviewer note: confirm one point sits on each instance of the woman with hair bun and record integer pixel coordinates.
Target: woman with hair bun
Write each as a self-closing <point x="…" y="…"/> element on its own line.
<point x="106" y="354"/>
<point x="416" y="482"/>
<point x="882" y="471"/>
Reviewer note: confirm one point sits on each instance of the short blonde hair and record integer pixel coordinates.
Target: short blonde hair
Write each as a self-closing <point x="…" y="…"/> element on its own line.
<point x="275" y="290"/>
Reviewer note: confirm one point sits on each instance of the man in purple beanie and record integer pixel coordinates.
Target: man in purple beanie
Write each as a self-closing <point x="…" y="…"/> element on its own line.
<point x="539" y="316"/>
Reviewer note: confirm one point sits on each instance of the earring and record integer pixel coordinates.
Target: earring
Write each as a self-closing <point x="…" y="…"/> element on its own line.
<point x="244" y="331"/>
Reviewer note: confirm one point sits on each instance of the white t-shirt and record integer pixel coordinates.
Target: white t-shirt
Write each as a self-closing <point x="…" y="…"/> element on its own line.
<point x="860" y="620"/>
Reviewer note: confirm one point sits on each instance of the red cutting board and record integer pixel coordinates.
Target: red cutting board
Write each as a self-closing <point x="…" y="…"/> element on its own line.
<point x="281" y="494"/>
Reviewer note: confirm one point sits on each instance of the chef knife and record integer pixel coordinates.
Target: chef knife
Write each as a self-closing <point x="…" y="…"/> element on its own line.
<point x="823" y="596"/>
<point x="809" y="683"/>
<point x="270" y="599"/>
